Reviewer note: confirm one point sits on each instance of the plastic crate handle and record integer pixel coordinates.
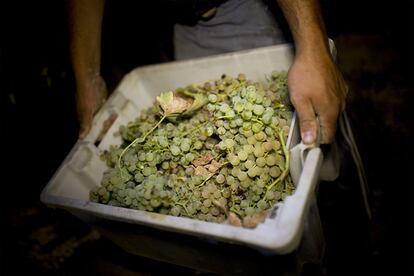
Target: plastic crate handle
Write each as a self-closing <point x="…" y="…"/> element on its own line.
<point x="294" y="213"/>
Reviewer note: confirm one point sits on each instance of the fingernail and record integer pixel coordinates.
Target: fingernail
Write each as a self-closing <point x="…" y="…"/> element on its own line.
<point x="308" y="137"/>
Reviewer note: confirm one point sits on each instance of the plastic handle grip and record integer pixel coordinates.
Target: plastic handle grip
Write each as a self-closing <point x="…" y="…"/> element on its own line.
<point x="293" y="216"/>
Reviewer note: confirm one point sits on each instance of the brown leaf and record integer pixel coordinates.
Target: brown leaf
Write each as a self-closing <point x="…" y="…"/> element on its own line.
<point x="260" y="216"/>
<point x="233" y="219"/>
<point x="256" y="219"/>
<point x="220" y="206"/>
<point x="200" y="170"/>
<point x="178" y="105"/>
<point x="173" y="104"/>
<point x="203" y="160"/>
<point x="213" y="167"/>
<point x="248" y="222"/>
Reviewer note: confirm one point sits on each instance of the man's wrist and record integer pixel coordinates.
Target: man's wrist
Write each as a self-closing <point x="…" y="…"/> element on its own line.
<point x="312" y="44"/>
<point x="312" y="54"/>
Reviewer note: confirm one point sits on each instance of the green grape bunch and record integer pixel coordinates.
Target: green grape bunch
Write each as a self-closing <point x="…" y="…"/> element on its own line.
<point x="214" y="151"/>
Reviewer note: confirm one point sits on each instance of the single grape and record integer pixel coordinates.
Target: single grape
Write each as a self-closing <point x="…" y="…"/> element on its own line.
<point x="175" y="211"/>
<point x="248" y="148"/>
<point x="262" y="205"/>
<point x="230" y="179"/>
<point x="175" y="150"/>
<point x="234" y="159"/>
<point x="261" y="161"/>
<point x="212" y="98"/>
<point x="220" y="179"/>
<point x="242" y="175"/>
<point x="185" y="146"/>
<point x="249" y="164"/>
<point x="249" y="211"/>
<point x="247" y="115"/>
<point x="260" y="136"/>
<point x="238" y="107"/>
<point x="211" y="187"/>
<point x="274" y="171"/>
<point x="198" y="145"/>
<point x="271" y="160"/>
<point x="256" y="127"/>
<point x="207" y="203"/>
<point x="258" y="109"/>
<point x="217" y="194"/>
<point x="267" y="146"/>
<point x="221" y="131"/>
<point x="242" y="155"/>
<point x="251" y="172"/>
<point x="147" y="171"/>
<point x="251" y="140"/>
<point x="214" y="211"/>
<point x="258" y="151"/>
<point x="165" y="165"/>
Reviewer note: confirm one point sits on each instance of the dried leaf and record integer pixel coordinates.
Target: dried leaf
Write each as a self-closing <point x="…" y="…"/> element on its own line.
<point x="203" y="160"/>
<point x="260" y="216"/>
<point x="200" y="170"/>
<point x="222" y="207"/>
<point x="256" y="219"/>
<point x="199" y="100"/>
<point x="173" y="104"/>
<point x="213" y="167"/>
<point x="248" y="222"/>
<point x="233" y="219"/>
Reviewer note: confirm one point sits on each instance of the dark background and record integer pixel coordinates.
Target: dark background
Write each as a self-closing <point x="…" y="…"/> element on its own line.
<point x="39" y="127"/>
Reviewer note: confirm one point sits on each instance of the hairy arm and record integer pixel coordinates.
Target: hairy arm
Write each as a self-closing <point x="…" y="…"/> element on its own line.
<point x="85" y="26"/>
<point x="316" y="86"/>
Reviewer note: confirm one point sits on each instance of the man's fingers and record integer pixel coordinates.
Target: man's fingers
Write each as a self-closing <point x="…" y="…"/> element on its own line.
<point x="85" y="125"/>
<point x="308" y="131"/>
<point x="84" y="129"/>
<point x="307" y="122"/>
<point x="91" y="96"/>
<point x="328" y="128"/>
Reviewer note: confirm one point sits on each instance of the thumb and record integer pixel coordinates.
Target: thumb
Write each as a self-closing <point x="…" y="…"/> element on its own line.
<point x="85" y="126"/>
<point x="84" y="130"/>
<point x="307" y="122"/>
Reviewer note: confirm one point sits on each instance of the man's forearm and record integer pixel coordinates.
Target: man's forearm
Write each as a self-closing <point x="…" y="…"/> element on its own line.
<point x="306" y="24"/>
<point x="85" y="19"/>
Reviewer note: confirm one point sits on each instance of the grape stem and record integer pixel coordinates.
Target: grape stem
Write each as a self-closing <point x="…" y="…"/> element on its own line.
<point x="140" y="140"/>
<point x="212" y="174"/>
<point x="223" y="117"/>
<point x="133" y="125"/>
<point x="182" y="205"/>
<point x="194" y="152"/>
<point x="279" y="106"/>
<point x="193" y="129"/>
<point x="236" y="212"/>
<point x="286" y="170"/>
<point x="218" y="156"/>
<point x="233" y="201"/>
<point x="207" y="179"/>
<point x="257" y="121"/>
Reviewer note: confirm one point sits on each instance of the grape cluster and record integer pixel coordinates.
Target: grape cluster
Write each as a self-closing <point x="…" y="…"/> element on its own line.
<point x="227" y="160"/>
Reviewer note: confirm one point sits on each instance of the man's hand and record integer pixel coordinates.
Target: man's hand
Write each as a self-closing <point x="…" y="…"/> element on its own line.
<point x="90" y="95"/>
<point x="316" y="88"/>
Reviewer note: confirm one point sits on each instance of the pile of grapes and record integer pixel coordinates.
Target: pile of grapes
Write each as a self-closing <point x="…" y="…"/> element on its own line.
<point x="214" y="151"/>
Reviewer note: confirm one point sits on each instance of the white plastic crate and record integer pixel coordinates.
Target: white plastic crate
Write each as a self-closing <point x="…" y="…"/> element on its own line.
<point x="82" y="169"/>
